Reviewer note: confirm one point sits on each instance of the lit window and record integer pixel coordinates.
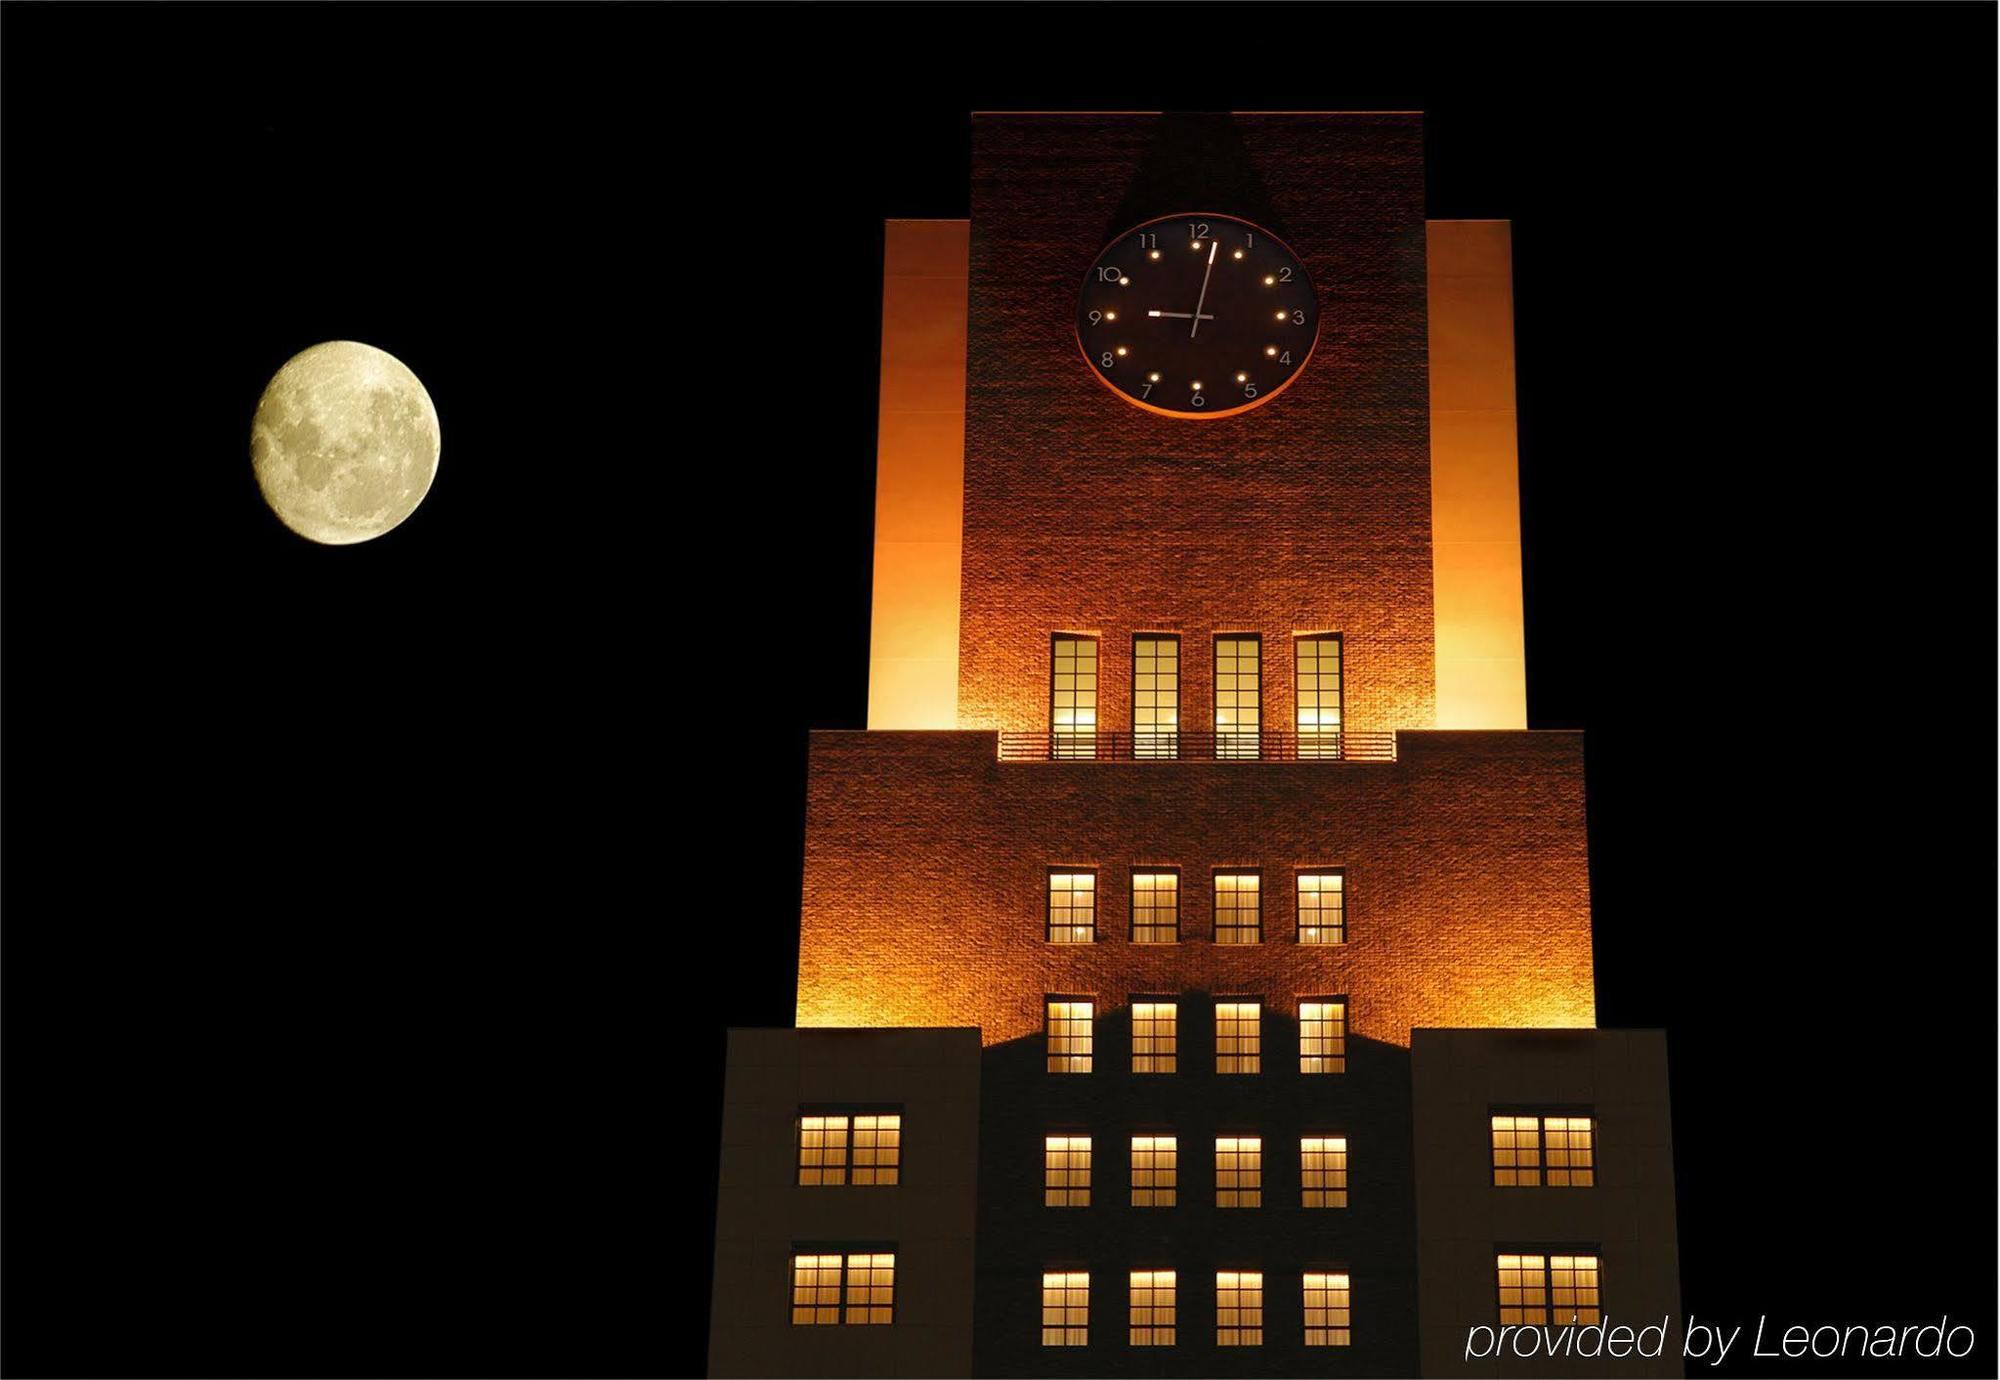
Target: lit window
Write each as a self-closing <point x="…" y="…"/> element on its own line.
<point x="1066" y="1171"/>
<point x="1156" y="907"/>
<point x="850" y="1147"/>
<point x="857" y="1288"/>
<point x="1318" y="660"/>
<point x="1238" y="683"/>
<point x="1155" y="1036"/>
<point x="1239" y="910"/>
<point x="1156" y="696"/>
<point x="878" y="1148"/>
<point x="1530" y="1150"/>
<point x="1329" y="1320"/>
<point x="1239" y="1044"/>
<point x="1322" y="908"/>
<point x="822" y="1150"/>
<point x="1322" y="1036"/>
<point x="1239" y="1171"/>
<point x="1152" y="1320"/>
<point x="1066" y="1308"/>
<point x="1239" y="1308"/>
<point x="1073" y="697"/>
<point x="1069" y="1035"/>
<point x="1072" y="907"/>
<point x="871" y="1288"/>
<point x="1323" y="1171"/>
<point x="1155" y="1170"/>
<point x="1538" y="1289"/>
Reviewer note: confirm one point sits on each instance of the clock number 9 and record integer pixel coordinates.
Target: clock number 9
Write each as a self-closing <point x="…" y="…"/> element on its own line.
<point x="1095" y="317"/>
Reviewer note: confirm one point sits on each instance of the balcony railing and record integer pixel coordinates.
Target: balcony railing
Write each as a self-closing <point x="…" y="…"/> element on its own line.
<point x="1225" y="745"/>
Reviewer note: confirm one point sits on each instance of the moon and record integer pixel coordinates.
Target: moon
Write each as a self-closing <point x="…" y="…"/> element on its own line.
<point x="345" y="443"/>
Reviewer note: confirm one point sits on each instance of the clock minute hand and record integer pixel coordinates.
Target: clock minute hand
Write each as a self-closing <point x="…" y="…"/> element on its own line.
<point x="1213" y="245"/>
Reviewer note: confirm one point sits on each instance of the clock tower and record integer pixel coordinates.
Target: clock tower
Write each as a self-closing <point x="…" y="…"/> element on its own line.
<point x="1195" y="949"/>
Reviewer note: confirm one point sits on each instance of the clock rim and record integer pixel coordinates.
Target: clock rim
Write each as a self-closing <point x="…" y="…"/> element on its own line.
<point x="1202" y="415"/>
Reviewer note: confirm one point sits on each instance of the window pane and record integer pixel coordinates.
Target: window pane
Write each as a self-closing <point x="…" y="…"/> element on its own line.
<point x="1072" y="907"/>
<point x="871" y="1288"/>
<point x="1239" y="911"/>
<point x="1066" y="1171"/>
<point x="1152" y="1308"/>
<point x="1239" y="1171"/>
<point x="1155" y="1171"/>
<point x="1066" y="1309"/>
<point x="1156" y="907"/>
<point x="815" y="1290"/>
<point x="1155" y="1036"/>
<point x="822" y="1150"/>
<point x="1239" y="1308"/>
<point x="1524" y="1296"/>
<point x="1517" y="1157"/>
<point x="1238" y="698"/>
<point x="1323" y="1171"/>
<point x="878" y="1148"/>
<point x="1069" y="1036"/>
<point x="1573" y="1289"/>
<point x="1322" y="908"/>
<point x="1073" y="697"/>
<point x="1568" y="1151"/>
<point x="1239" y="1045"/>
<point x="1156" y="697"/>
<point x="1328" y="1321"/>
<point x="1318" y="686"/>
<point x="1322" y="1037"/>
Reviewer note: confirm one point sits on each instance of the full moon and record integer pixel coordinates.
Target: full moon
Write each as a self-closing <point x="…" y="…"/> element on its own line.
<point x="345" y="442"/>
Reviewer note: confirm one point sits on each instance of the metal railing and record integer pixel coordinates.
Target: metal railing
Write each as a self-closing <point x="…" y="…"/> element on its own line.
<point x="1185" y="745"/>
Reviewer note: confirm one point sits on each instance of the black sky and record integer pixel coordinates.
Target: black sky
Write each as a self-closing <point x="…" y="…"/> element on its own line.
<point x="372" y="916"/>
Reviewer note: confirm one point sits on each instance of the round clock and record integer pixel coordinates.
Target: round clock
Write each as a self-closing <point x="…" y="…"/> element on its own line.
<point x="1197" y="315"/>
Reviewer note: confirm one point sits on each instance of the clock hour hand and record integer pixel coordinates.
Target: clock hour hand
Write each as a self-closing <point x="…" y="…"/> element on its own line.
<point x="1183" y="315"/>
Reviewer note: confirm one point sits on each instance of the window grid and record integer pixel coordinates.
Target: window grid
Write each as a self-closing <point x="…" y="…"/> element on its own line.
<point x="1156" y="907"/>
<point x="878" y="1148"/>
<point x="1073" y="697"/>
<point x="1069" y="1036"/>
<point x="1322" y="908"/>
<point x="1534" y="1150"/>
<point x="1238" y="696"/>
<point x="1155" y="1037"/>
<point x="1066" y="1171"/>
<point x="1155" y="1171"/>
<point x="822" y="1150"/>
<point x="1329" y="1315"/>
<point x="1322" y="1036"/>
<point x="1239" y="1171"/>
<point x="1239" y="1308"/>
<point x="1318" y="663"/>
<point x="857" y="1289"/>
<point x="1239" y="909"/>
<point x="1323" y="1171"/>
<point x="1239" y="1045"/>
<point x="1066" y="1308"/>
<point x="1573" y="1289"/>
<point x="1151" y="1320"/>
<point x="1524" y="1289"/>
<point x="1156" y="696"/>
<point x="1072" y="908"/>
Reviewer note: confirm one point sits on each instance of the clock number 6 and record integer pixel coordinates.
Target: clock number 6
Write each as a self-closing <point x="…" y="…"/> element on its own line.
<point x="1198" y="401"/>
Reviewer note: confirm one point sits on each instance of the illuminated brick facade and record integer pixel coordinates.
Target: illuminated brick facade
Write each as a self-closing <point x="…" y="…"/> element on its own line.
<point x="963" y="879"/>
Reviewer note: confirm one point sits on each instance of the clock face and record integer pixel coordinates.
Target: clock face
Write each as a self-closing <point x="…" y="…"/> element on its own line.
<point x="1197" y="315"/>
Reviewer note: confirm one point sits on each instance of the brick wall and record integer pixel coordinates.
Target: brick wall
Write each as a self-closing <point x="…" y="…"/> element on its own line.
<point x="927" y="859"/>
<point x="1083" y="513"/>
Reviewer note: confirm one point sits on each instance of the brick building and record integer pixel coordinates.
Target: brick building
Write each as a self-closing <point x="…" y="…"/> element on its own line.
<point x="1195" y="951"/>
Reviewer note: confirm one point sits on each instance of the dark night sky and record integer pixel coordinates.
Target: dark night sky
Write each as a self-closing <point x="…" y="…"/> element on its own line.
<point x="373" y="915"/>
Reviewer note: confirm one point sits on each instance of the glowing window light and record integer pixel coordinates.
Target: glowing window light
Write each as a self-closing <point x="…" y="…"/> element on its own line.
<point x="1323" y="1171"/>
<point x="1322" y="908"/>
<point x="1239" y="910"/>
<point x="1066" y="1308"/>
<point x="1072" y="917"/>
<point x="1329" y="1315"/>
<point x="1073" y="696"/>
<point x="1155" y="1036"/>
<point x="1322" y="1037"/>
<point x="1155" y="1171"/>
<point x="1238" y="697"/>
<point x="822" y="1150"/>
<point x="1531" y="1151"/>
<point x="1069" y="1033"/>
<point x="1239" y="1308"/>
<point x="878" y="1148"/>
<point x="1065" y="1171"/>
<point x="1239" y="1171"/>
<point x="1156" y="694"/>
<point x="1239" y="1037"/>
<point x="1151" y="1317"/>
<point x="1316" y="665"/>
<point x="857" y="1289"/>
